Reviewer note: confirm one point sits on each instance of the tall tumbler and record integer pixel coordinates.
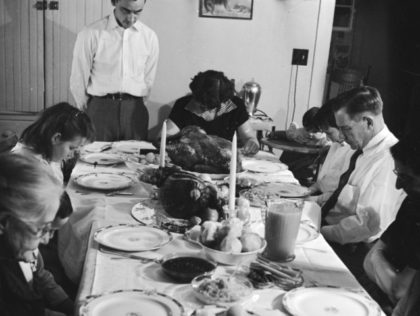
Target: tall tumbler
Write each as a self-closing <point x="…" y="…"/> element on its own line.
<point x="281" y="229"/>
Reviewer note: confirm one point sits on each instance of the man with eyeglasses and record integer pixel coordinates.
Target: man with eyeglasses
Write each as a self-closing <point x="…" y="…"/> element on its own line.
<point x="114" y="67"/>
<point x="395" y="259"/>
<point x="365" y="201"/>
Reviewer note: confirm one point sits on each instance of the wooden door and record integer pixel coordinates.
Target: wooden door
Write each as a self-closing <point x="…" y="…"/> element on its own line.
<point x="21" y="57"/>
<point x="36" y="49"/>
<point x="61" y="28"/>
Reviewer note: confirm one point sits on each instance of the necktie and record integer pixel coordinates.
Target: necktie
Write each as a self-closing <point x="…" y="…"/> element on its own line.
<point x="344" y="178"/>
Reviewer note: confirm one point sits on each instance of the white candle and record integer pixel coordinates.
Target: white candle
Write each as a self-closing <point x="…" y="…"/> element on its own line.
<point x="163" y="144"/>
<point x="232" y="176"/>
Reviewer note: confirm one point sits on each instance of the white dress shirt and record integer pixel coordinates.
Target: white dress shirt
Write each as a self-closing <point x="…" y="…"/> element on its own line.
<point x="369" y="202"/>
<point x="335" y="164"/>
<point x="110" y="59"/>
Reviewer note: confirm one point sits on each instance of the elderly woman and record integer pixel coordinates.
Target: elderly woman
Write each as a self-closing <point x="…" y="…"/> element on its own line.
<point x="26" y="220"/>
<point x="395" y="259"/>
<point x="214" y="107"/>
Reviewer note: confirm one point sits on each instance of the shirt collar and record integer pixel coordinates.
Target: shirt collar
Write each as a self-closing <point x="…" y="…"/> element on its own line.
<point x="113" y="23"/>
<point x="378" y="138"/>
<point x="225" y="107"/>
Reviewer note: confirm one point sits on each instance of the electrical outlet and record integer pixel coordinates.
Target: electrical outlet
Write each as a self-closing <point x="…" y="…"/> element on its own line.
<point x="300" y="57"/>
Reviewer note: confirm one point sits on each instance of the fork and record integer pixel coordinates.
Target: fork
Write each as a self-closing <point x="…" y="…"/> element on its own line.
<point x="119" y="193"/>
<point x="128" y="255"/>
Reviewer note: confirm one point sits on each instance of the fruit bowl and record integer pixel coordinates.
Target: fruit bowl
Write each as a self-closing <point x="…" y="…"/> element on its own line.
<point x="231" y="258"/>
<point x="221" y="289"/>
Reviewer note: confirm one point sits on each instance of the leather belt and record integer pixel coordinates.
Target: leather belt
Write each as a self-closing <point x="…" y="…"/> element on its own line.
<point x="119" y="96"/>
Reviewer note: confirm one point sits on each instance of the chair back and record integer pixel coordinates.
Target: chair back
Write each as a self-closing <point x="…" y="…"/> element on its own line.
<point x="8" y="140"/>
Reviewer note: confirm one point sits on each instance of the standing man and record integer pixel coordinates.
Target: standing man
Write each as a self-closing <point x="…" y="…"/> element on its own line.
<point x="114" y="67"/>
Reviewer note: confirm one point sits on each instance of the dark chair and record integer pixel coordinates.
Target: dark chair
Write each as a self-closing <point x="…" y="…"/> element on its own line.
<point x="8" y="140"/>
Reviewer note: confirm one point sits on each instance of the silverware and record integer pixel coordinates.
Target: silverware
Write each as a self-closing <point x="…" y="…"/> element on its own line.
<point x="105" y="148"/>
<point x="119" y="193"/>
<point x="128" y="255"/>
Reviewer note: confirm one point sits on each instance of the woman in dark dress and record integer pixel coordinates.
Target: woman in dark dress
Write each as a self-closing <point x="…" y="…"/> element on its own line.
<point x="214" y="107"/>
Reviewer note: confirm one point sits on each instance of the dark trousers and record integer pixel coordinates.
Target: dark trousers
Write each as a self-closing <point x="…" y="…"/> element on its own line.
<point x="118" y="119"/>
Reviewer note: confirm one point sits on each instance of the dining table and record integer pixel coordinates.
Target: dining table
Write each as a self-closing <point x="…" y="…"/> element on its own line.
<point x="98" y="272"/>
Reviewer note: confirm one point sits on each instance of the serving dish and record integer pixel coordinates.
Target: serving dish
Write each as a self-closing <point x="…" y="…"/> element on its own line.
<point x="259" y="195"/>
<point x="221" y="289"/>
<point x="184" y="267"/>
<point x="231" y="258"/>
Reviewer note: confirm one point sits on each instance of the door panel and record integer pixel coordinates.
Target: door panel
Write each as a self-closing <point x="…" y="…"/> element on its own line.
<point x="21" y="57"/>
<point x="61" y="29"/>
<point x="37" y="53"/>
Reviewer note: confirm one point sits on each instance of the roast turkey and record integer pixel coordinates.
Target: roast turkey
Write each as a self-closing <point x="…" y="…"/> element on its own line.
<point x="194" y="150"/>
<point x="184" y="194"/>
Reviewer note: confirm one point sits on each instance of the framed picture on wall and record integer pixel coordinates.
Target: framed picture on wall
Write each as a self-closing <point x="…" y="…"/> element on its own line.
<point x="227" y="9"/>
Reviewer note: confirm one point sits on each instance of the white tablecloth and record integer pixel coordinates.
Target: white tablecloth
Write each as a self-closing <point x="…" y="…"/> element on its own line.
<point x="99" y="272"/>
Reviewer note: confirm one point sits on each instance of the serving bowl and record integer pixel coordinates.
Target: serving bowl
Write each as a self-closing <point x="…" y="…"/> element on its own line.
<point x="232" y="258"/>
<point x="183" y="267"/>
<point x="221" y="289"/>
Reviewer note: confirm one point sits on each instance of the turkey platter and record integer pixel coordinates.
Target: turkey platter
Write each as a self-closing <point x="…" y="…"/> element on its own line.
<point x="194" y="150"/>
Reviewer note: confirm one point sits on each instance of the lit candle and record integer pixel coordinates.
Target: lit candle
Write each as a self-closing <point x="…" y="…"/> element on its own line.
<point x="232" y="176"/>
<point x="163" y="144"/>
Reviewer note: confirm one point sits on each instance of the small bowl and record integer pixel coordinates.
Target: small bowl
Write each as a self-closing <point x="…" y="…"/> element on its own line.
<point x="221" y="289"/>
<point x="183" y="267"/>
<point x="230" y="258"/>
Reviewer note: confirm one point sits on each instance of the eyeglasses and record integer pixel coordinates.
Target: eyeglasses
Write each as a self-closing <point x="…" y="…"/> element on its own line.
<point x="37" y="230"/>
<point x="402" y="176"/>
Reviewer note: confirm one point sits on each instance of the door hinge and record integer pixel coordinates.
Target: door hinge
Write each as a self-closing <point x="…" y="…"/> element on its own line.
<point x="41" y="5"/>
<point x="53" y="5"/>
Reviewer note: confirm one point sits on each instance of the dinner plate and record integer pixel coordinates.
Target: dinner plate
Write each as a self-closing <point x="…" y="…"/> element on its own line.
<point x="262" y="166"/>
<point x="132" y="237"/>
<point x="259" y="195"/>
<point x="132" y="146"/>
<point x="97" y="147"/>
<point x="321" y="301"/>
<point x="307" y="232"/>
<point x="131" y="302"/>
<point x="104" y="159"/>
<point x="104" y="181"/>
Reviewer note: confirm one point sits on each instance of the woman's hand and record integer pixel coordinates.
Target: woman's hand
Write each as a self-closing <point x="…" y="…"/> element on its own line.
<point x="251" y="147"/>
<point x="247" y="136"/>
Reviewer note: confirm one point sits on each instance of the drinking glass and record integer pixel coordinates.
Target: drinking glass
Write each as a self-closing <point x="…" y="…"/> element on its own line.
<point x="282" y="223"/>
